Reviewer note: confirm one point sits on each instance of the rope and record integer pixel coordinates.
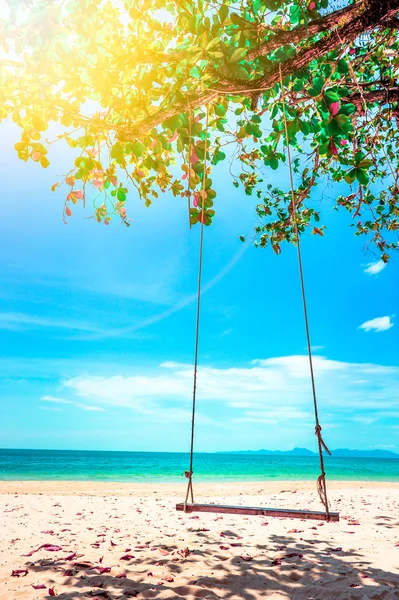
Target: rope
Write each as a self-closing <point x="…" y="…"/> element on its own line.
<point x="190" y="114"/>
<point x="189" y="473"/>
<point x="321" y="481"/>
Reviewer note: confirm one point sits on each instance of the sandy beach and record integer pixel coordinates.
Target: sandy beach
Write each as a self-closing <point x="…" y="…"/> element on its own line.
<point x="109" y="540"/>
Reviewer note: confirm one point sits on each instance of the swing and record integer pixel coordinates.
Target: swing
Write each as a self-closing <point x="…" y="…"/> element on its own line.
<point x="186" y="507"/>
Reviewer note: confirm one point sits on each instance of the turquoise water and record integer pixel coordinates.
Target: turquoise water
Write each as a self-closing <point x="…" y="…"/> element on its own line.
<point x="168" y="467"/>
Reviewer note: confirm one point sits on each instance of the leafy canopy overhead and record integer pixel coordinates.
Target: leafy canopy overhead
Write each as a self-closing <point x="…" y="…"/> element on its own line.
<point x="152" y="94"/>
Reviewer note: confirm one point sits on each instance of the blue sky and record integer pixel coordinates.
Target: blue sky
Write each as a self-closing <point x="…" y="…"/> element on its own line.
<point x="97" y="327"/>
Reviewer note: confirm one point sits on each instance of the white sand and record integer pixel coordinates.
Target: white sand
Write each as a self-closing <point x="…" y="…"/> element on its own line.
<point x="228" y="557"/>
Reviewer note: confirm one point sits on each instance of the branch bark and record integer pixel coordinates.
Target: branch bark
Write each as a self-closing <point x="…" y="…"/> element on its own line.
<point x="368" y="15"/>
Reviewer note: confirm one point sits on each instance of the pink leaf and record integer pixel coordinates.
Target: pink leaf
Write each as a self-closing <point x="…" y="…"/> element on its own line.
<point x="195" y="199"/>
<point x="246" y="557"/>
<point x="194" y="158"/>
<point x="70" y="556"/>
<point x="276" y="561"/>
<point x="121" y="576"/>
<point x="102" y="570"/>
<point x="48" y="547"/>
<point x="168" y="578"/>
<point x="39" y="586"/>
<point x="334" y="108"/>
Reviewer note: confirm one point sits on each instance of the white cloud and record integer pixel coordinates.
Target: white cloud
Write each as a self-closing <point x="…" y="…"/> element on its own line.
<point x="274" y="391"/>
<point x="55" y="400"/>
<point x="375" y="267"/>
<point x="377" y="324"/>
<point x="21" y="321"/>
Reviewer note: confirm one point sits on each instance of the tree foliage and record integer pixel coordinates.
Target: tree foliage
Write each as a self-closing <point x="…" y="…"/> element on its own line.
<point x="148" y="91"/>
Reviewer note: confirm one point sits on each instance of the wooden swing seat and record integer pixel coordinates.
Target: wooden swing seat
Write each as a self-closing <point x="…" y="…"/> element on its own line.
<point x="266" y="512"/>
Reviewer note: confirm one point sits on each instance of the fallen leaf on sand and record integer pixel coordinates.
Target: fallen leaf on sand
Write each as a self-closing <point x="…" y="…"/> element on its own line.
<point x="167" y="578"/>
<point x="295" y="531"/>
<point x="127" y="557"/>
<point x="70" y="556"/>
<point x="102" y="570"/>
<point x="19" y="573"/>
<point x="185" y="552"/>
<point x="39" y="586"/>
<point x="276" y="561"/>
<point x="48" y="547"/>
<point x="121" y="576"/>
<point x="51" y="592"/>
<point x="245" y="557"/>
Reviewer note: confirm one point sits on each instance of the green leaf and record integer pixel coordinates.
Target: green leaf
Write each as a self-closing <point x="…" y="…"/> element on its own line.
<point x="223" y="12"/>
<point x="317" y="86"/>
<point x="362" y="176"/>
<point x="238" y="54"/>
<point x="117" y="153"/>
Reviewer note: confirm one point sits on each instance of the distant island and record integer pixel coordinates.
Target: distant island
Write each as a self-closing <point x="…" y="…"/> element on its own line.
<point x="339" y="453"/>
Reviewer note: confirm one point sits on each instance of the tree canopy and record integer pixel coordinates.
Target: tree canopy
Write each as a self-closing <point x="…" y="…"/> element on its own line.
<point x="153" y="94"/>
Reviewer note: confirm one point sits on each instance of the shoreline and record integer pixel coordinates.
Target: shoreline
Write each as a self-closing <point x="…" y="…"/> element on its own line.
<point x="202" y="489"/>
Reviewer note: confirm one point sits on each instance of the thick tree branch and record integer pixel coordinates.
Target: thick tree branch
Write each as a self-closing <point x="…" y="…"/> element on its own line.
<point x="369" y="14"/>
<point x="303" y="32"/>
<point x="382" y="96"/>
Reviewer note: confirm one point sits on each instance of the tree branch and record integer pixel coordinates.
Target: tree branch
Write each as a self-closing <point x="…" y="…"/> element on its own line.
<point x="293" y="36"/>
<point x="369" y="14"/>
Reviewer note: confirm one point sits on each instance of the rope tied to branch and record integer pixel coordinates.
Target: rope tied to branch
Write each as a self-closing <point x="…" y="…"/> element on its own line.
<point x="189" y="472"/>
<point x="321" y="481"/>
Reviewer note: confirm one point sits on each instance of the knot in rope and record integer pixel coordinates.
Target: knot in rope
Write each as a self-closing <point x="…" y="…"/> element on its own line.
<point x="320" y="439"/>
<point x="188" y="474"/>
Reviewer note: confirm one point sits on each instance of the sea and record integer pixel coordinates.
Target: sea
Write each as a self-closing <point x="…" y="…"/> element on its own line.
<point x="80" y="465"/>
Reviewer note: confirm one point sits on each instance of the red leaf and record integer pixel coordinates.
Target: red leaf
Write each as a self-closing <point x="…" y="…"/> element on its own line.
<point x="39" y="586"/>
<point x="127" y="557"/>
<point x="70" y="556"/>
<point x="51" y="592"/>
<point x="184" y="553"/>
<point x="19" y="573"/>
<point x="102" y="570"/>
<point x="276" y="561"/>
<point x="121" y="576"/>
<point x="292" y="554"/>
<point x="48" y="547"/>
<point x="224" y="547"/>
